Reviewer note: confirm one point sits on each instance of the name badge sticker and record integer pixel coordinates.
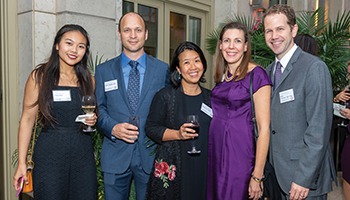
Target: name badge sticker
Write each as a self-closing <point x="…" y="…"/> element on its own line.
<point x="111" y="85"/>
<point x="61" y="95"/>
<point x="207" y="110"/>
<point x="286" y="96"/>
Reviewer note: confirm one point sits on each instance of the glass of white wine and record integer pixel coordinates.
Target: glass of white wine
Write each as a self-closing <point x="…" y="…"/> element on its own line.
<point x="88" y="105"/>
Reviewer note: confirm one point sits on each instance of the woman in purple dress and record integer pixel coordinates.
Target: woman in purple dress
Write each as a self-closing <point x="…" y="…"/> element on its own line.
<point x="235" y="164"/>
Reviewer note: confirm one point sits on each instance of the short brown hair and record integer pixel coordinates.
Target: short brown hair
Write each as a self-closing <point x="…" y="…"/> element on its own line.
<point x="284" y="9"/>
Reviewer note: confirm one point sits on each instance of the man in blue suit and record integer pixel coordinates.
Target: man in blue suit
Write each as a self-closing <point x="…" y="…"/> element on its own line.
<point x="125" y="87"/>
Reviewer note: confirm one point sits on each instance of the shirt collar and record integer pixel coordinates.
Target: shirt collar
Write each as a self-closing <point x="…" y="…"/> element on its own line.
<point x="126" y="60"/>
<point x="285" y="59"/>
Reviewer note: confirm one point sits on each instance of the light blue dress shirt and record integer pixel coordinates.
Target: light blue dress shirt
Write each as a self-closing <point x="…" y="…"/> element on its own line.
<point x="126" y="69"/>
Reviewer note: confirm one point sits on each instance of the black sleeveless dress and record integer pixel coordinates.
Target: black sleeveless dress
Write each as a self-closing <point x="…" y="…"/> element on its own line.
<point x="64" y="158"/>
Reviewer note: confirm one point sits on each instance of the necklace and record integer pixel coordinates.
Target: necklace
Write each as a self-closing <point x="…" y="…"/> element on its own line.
<point x="228" y="79"/>
<point x="70" y="81"/>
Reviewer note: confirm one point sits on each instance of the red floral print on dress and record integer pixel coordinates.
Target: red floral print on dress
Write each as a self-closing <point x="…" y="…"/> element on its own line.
<point x="157" y="173"/>
<point x="171" y="176"/>
<point x="161" y="169"/>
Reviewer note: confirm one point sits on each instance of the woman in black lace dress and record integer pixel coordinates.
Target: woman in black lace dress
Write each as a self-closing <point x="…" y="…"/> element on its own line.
<point x="63" y="154"/>
<point x="177" y="174"/>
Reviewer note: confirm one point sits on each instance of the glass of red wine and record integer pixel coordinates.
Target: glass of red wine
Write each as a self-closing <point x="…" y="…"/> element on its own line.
<point x="194" y="120"/>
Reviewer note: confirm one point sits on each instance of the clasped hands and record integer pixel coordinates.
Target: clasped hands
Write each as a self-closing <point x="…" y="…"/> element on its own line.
<point x="298" y="192"/>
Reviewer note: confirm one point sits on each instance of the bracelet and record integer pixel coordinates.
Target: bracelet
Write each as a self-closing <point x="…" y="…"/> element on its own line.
<point x="335" y="100"/>
<point x="257" y="179"/>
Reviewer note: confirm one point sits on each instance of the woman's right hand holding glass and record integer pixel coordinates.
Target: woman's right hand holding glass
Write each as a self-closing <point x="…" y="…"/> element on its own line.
<point x="186" y="132"/>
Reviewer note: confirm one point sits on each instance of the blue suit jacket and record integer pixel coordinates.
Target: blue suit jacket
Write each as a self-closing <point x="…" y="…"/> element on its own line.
<point x="114" y="108"/>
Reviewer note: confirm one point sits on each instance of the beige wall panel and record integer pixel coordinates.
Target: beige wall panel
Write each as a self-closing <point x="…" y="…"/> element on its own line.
<point x="311" y="5"/>
<point x="24" y="5"/>
<point x="334" y="8"/>
<point x="222" y="11"/>
<point x="102" y="8"/>
<point x="45" y="5"/>
<point x="9" y="86"/>
<point x="25" y="52"/>
<point x="101" y="32"/>
<point x="119" y="13"/>
<point x="244" y="8"/>
<point x="44" y="34"/>
<point x="298" y="5"/>
<point x="347" y="5"/>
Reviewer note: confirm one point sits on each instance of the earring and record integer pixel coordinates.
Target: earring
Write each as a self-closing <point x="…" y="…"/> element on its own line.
<point x="179" y="76"/>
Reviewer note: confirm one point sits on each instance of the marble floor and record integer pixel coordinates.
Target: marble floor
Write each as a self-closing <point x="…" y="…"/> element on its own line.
<point x="337" y="193"/>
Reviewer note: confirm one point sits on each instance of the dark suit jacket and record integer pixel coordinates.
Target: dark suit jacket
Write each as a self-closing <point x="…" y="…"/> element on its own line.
<point x="300" y="129"/>
<point x="114" y="108"/>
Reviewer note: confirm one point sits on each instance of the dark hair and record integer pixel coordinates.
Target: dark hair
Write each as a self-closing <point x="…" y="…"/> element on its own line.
<point x="220" y="62"/>
<point x="307" y="43"/>
<point x="284" y="9"/>
<point x="174" y="74"/>
<point x="47" y="75"/>
<point x="120" y="20"/>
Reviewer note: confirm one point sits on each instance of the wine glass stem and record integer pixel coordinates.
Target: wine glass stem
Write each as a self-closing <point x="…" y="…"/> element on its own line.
<point x="193" y="147"/>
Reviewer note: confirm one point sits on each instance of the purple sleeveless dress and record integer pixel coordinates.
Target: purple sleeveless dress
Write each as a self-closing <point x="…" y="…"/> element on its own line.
<point x="231" y="146"/>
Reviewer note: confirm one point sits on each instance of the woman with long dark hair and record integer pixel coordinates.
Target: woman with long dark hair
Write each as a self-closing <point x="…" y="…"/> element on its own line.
<point x="63" y="153"/>
<point x="235" y="164"/>
<point x="178" y="174"/>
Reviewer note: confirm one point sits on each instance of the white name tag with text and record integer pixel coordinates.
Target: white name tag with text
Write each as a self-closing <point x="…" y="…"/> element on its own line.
<point x="286" y="96"/>
<point x="207" y="110"/>
<point x="111" y="85"/>
<point x="61" y="95"/>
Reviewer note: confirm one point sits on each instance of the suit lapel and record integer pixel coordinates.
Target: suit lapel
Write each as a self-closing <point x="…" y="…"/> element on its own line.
<point x="285" y="73"/>
<point x="288" y="68"/>
<point x="147" y="79"/>
<point x="118" y="73"/>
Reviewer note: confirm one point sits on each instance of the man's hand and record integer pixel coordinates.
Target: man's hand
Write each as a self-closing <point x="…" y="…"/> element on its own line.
<point x="126" y="132"/>
<point x="298" y="192"/>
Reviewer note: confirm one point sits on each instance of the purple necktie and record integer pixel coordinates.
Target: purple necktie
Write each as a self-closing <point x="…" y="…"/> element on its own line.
<point x="278" y="74"/>
<point x="133" y="90"/>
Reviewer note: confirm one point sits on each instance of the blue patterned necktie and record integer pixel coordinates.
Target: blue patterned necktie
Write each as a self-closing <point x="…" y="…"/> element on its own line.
<point x="278" y="74"/>
<point x="133" y="90"/>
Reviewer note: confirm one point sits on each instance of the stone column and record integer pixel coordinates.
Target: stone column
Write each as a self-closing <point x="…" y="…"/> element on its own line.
<point x="97" y="17"/>
<point x="36" y="31"/>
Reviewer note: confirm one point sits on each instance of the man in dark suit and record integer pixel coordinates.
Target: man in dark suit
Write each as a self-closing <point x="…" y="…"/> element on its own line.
<point x="125" y="87"/>
<point x="301" y="112"/>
